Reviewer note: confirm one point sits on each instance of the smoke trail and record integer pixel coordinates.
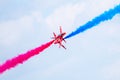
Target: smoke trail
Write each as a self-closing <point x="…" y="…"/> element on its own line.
<point x="23" y="57"/>
<point x="107" y="15"/>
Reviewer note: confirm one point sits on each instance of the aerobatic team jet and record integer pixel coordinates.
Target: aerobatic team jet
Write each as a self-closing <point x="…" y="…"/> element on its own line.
<point x="59" y="38"/>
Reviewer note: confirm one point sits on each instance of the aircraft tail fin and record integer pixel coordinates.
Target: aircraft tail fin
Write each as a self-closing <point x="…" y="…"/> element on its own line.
<point x="60" y="30"/>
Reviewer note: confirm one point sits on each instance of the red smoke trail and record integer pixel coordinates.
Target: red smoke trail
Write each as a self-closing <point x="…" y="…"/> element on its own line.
<point x="23" y="57"/>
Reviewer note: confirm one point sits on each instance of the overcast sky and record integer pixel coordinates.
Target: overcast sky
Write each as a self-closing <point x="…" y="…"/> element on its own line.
<point x="91" y="55"/>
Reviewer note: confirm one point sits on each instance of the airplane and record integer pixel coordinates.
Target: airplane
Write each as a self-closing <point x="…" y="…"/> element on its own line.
<point x="59" y="38"/>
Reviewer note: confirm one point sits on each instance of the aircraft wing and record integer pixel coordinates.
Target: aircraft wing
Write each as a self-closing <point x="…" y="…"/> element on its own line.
<point x="60" y="44"/>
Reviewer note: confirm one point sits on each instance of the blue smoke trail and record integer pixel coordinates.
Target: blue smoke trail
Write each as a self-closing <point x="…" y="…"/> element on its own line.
<point x="107" y="15"/>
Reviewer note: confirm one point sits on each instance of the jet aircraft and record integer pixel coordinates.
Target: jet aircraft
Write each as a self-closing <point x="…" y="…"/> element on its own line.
<point x="59" y="38"/>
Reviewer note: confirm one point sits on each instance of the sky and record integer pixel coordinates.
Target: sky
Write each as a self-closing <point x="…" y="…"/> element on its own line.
<point x="91" y="55"/>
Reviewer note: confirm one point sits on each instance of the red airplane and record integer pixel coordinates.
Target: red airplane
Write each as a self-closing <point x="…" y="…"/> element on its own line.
<point x="58" y="39"/>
